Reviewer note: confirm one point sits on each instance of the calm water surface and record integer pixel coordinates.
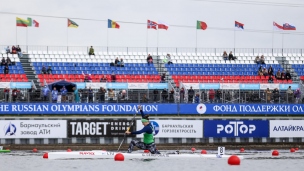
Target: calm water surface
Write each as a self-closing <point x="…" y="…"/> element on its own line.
<point x="254" y="161"/>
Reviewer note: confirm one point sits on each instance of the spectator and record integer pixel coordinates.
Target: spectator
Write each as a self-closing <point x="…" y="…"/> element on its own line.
<point x="190" y="95"/>
<point x="288" y="76"/>
<point x="270" y="79"/>
<point x="163" y="78"/>
<point x="149" y="59"/>
<point x="297" y="95"/>
<point x="262" y="60"/>
<point x="6" y="70"/>
<point x="197" y="98"/>
<point x="231" y="57"/>
<point x="268" y="95"/>
<point x="116" y="62"/>
<point x="76" y="95"/>
<point x="218" y="96"/>
<point x="270" y="70"/>
<point x="113" y="77"/>
<point x="122" y="63"/>
<point x="15" y="94"/>
<point x="102" y="93"/>
<point x="278" y="75"/>
<point x="3" y="62"/>
<point x="87" y="77"/>
<point x="211" y="95"/>
<point x="225" y="55"/>
<point x="6" y="94"/>
<point x="155" y="94"/>
<point x="7" y="50"/>
<point x="45" y="92"/>
<point x="169" y="60"/>
<point x="64" y="92"/>
<point x="123" y="94"/>
<point x="257" y="60"/>
<point x="265" y="72"/>
<point x="32" y="93"/>
<point x="8" y="61"/>
<point x="171" y="95"/>
<point x="18" y="50"/>
<point x="91" y="93"/>
<point x="164" y="95"/>
<point x="276" y="95"/>
<point x="289" y="93"/>
<point x="14" y="50"/>
<point x="91" y="51"/>
<point x="103" y="79"/>
<point x="43" y="70"/>
<point x="145" y="99"/>
<point x="49" y="70"/>
<point x="283" y="76"/>
<point x="84" y="95"/>
<point x="111" y="95"/>
<point x="54" y="95"/>
<point x="182" y="95"/>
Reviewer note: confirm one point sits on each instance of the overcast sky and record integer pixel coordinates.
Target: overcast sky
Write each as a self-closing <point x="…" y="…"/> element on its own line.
<point x="132" y="15"/>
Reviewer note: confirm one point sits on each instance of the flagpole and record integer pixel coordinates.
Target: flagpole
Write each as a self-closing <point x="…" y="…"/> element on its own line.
<point x="196" y="38"/>
<point x="26" y="36"/>
<point x="282" y="40"/>
<point x="16" y="36"/>
<point x="234" y="39"/>
<point x="147" y="39"/>
<point x="107" y="37"/>
<point x="157" y="38"/>
<point x="272" y="39"/>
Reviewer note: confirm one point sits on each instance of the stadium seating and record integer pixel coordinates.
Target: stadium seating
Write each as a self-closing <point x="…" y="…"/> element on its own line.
<point x="16" y="72"/>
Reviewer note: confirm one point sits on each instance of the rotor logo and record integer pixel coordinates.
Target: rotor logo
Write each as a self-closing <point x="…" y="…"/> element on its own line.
<point x="9" y="129"/>
<point x="235" y="127"/>
<point x="155" y="127"/>
<point x="201" y="108"/>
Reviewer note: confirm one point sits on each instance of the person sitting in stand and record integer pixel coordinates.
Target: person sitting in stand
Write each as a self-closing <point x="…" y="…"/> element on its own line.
<point x="149" y="59"/>
<point x="262" y="60"/>
<point x="270" y="70"/>
<point x="169" y="60"/>
<point x="8" y="61"/>
<point x="18" y="50"/>
<point x="116" y="61"/>
<point x="91" y="51"/>
<point x="103" y="79"/>
<point x="283" y="76"/>
<point x="87" y="77"/>
<point x="163" y="78"/>
<point x="265" y="73"/>
<point x="270" y="79"/>
<point x="257" y="60"/>
<point x="278" y="75"/>
<point x="49" y="70"/>
<point x="113" y="77"/>
<point x="122" y="63"/>
<point x="14" y="51"/>
<point x="7" y="50"/>
<point x="3" y="62"/>
<point x="43" y="70"/>
<point x="6" y="69"/>
<point x="231" y="57"/>
<point x="288" y="76"/>
<point x="225" y="55"/>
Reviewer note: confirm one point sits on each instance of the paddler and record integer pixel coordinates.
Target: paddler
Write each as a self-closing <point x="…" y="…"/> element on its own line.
<point x="148" y="143"/>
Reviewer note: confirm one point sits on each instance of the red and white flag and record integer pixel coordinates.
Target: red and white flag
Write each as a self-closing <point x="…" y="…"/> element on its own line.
<point x="162" y="25"/>
<point x="276" y="26"/>
<point x="151" y="25"/>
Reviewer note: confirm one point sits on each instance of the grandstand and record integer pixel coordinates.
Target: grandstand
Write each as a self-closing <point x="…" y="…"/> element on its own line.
<point x="16" y="72"/>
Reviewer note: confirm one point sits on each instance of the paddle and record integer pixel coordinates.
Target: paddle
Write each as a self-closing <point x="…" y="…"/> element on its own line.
<point x="128" y="129"/>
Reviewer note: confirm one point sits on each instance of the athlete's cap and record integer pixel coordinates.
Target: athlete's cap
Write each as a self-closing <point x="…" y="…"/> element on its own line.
<point x="144" y="120"/>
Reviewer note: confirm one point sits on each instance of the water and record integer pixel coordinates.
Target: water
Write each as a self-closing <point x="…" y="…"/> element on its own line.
<point x="254" y="161"/>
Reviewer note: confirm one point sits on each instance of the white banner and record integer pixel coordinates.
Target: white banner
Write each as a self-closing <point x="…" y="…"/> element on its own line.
<point x="193" y="85"/>
<point x="137" y="85"/>
<point x="270" y="86"/>
<point x="286" y="128"/>
<point x="33" y="129"/>
<point x="5" y="84"/>
<point x="96" y="85"/>
<point x="175" y="128"/>
<point x="230" y="86"/>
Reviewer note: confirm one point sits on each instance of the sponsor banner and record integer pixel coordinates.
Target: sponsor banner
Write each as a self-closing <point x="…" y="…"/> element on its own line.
<point x="268" y="109"/>
<point x="94" y="85"/>
<point x="21" y="85"/>
<point x="193" y="85"/>
<point x="137" y="85"/>
<point x="175" y="128"/>
<point x="286" y="128"/>
<point x="230" y="86"/>
<point x="207" y="86"/>
<point x="85" y="108"/>
<point x="5" y="84"/>
<point x="250" y="86"/>
<point x="236" y="128"/>
<point x="81" y="85"/>
<point x="286" y="86"/>
<point x="158" y="85"/>
<point x="33" y="129"/>
<point x="270" y="86"/>
<point x="117" y="85"/>
<point x="99" y="128"/>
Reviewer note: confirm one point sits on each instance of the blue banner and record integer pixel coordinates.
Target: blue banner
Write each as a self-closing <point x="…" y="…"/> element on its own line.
<point x="80" y="85"/>
<point x="117" y="85"/>
<point x="158" y="86"/>
<point x="286" y="86"/>
<point x="240" y="109"/>
<point x="236" y="128"/>
<point x="21" y="85"/>
<point x="250" y="86"/>
<point x="85" y="108"/>
<point x="207" y="86"/>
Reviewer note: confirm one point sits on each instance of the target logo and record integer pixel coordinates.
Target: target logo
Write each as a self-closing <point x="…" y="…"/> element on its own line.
<point x="201" y="108"/>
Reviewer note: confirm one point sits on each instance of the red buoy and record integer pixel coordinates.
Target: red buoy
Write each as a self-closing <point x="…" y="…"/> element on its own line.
<point x="234" y="160"/>
<point x="292" y="150"/>
<point x="296" y="148"/>
<point x="35" y="150"/>
<point x="146" y="151"/>
<point x="46" y="155"/>
<point x="69" y="150"/>
<point x="275" y="153"/>
<point x="203" y="152"/>
<point x="119" y="157"/>
<point x="242" y="150"/>
<point x="193" y="149"/>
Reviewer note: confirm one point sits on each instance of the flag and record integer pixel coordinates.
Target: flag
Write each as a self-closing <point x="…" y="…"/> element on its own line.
<point x="287" y="26"/>
<point x="112" y="24"/>
<point x="21" y="22"/>
<point x="239" y="25"/>
<point x="162" y="25"/>
<point x="72" y="24"/>
<point x="152" y="25"/>
<point x="32" y="23"/>
<point x="276" y="26"/>
<point x="201" y="25"/>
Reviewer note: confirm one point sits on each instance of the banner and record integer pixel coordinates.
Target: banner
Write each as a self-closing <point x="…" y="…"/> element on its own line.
<point x="117" y="85"/>
<point x="286" y="86"/>
<point x="230" y="86"/>
<point x="99" y="128"/>
<point x="21" y="85"/>
<point x="85" y="108"/>
<point x="257" y="109"/>
<point x="193" y="85"/>
<point x="236" y="128"/>
<point x="207" y="86"/>
<point x="5" y="84"/>
<point x="81" y="85"/>
<point x="250" y="86"/>
<point x="270" y="86"/>
<point x="95" y="85"/>
<point x="33" y="129"/>
<point x="158" y="85"/>
<point x="138" y="86"/>
<point x="286" y="128"/>
<point x="175" y="128"/>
